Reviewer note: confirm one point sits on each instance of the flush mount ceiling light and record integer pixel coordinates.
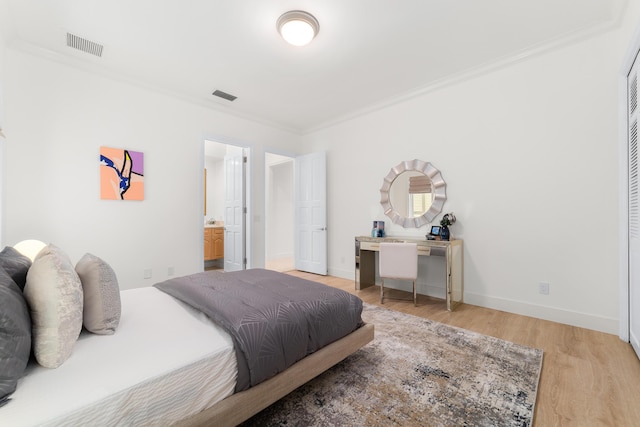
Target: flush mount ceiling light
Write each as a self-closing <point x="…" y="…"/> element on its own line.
<point x="297" y="27"/>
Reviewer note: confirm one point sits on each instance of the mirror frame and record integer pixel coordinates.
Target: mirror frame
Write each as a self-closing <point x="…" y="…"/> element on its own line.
<point x="439" y="193"/>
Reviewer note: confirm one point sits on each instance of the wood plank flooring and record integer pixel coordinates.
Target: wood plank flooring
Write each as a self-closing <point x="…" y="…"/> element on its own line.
<point x="588" y="378"/>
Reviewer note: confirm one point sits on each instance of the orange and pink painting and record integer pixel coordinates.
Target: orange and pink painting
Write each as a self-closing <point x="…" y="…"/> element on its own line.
<point x="121" y="174"/>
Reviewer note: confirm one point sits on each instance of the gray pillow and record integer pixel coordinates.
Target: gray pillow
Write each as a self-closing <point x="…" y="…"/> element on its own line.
<point x="54" y="295"/>
<point x="15" y="335"/>
<point x="15" y="264"/>
<point x="101" y="312"/>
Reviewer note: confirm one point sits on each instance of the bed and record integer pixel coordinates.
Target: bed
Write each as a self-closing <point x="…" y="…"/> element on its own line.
<point x="167" y="364"/>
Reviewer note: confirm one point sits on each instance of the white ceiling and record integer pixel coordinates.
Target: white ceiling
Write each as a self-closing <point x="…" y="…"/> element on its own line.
<point x="368" y="53"/>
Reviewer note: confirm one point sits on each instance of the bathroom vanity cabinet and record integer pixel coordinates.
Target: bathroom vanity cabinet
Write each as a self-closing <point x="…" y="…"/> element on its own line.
<point x="213" y="242"/>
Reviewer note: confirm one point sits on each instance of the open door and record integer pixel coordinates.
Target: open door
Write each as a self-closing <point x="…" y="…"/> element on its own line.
<point x="310" y="192"/>
<point x="234" y="212"/>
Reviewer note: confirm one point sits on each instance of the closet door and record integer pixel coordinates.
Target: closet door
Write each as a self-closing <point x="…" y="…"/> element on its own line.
<point x="634" y="209"/>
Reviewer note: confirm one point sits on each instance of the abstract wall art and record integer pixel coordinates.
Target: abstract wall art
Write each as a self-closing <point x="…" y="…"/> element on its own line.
<point x="121" y="174"/>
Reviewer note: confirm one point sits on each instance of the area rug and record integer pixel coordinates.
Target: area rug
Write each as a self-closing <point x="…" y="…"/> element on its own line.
<point x="417" y="372"/>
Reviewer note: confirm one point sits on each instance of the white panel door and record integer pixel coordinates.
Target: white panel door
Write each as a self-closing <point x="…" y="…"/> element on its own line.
<point x="234" y="213"/>
<point x="310" y="189"/>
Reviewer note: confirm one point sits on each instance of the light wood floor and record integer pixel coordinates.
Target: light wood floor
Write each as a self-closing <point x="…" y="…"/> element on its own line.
<point x="588" y="378"/>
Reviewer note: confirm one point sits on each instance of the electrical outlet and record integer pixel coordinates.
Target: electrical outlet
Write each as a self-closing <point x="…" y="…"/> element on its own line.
<point x="543" y="288"/>
<point x="170" y="271"/>
<point x="147" y="273"/>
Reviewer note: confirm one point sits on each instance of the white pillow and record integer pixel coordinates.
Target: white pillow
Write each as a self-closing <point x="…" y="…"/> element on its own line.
<point x="101" y="312"/>
<point x="54" y="295"/>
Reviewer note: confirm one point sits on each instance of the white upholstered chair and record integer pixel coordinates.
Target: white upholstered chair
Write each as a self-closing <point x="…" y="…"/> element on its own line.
<point x="398" y="261"/>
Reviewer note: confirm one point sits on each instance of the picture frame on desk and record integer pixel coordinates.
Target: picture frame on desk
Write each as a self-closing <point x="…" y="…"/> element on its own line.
<point x="434" y="234"/>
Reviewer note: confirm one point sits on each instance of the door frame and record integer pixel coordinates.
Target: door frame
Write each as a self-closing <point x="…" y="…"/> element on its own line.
<point x="623" y="118"/>
<point x="248" y="149"/>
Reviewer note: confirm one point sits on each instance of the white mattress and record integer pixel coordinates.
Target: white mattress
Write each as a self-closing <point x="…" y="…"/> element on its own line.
<point x="165" y="362"/>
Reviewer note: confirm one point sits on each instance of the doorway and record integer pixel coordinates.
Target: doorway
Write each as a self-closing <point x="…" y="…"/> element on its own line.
<point x="279" y="212"/>
<point x="224" y="241"/>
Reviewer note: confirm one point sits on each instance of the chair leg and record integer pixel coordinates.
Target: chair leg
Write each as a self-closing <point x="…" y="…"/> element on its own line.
<point x="415" y="295"/>
<point x="382" y="292"/>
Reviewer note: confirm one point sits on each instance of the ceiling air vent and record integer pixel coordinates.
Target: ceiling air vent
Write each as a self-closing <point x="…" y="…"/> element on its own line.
<point x="224" y="95"/>
<point x="84" y="45"/>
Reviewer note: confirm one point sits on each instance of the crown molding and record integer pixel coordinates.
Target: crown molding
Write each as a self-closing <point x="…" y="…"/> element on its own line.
<point x="506" y="61"/>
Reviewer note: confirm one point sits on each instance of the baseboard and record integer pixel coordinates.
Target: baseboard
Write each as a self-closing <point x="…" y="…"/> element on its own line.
<point x="342" y="273"/>
<point x="568" y="317"/>
<point x="635" y="342"/>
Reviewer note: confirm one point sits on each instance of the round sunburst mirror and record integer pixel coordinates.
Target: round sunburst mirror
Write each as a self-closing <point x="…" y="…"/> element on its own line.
<point x="413" y="193"/>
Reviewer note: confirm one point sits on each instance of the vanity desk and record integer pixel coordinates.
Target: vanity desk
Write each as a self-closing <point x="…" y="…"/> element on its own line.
<point x="365" y="262"/>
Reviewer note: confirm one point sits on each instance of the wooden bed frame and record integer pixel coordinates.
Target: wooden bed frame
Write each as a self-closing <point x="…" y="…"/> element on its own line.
<point x="241" y="406"/>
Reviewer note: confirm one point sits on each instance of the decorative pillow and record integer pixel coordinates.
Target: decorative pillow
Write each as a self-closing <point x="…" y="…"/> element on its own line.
<point x="15" y="264"/>
<point x="54" y="294"/>
<point x="15" y="335"/>
<point x="101" y="295"/>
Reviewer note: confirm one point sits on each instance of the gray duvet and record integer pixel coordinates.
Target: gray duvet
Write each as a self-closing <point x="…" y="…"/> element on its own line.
<point x="274" y="319"/>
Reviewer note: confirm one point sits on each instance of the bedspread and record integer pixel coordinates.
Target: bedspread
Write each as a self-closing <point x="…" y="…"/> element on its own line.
<point x="274" y="319"/>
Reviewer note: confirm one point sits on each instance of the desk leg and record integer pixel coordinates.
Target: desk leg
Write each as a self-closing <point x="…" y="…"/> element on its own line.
<point x="455" y="290"/>
<point x="448" y="278"/>
<point x="365" y="269"/>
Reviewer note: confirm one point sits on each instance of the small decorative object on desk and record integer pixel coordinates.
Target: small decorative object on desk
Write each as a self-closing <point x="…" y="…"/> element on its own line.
<point x="378" y="229"/>
<point x="445" y="222"/>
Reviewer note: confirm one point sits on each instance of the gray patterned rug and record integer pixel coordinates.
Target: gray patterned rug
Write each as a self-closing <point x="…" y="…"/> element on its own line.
<point x="417" y="372"/>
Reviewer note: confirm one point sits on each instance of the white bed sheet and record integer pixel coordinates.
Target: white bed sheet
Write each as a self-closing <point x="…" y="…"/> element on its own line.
<point x="165" y="362"/>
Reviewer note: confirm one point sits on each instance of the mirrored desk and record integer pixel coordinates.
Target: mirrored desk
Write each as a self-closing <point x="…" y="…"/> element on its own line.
<point x="366" y="248"/>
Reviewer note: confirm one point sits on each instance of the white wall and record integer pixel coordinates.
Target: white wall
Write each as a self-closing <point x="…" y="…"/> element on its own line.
<point x="59" y="116"/>
<point x="529" y="154"/>
<point x="2" y="66"/>
<point x="3" y="25"/>
<point x="279" y="210"/>
<point x="215" y="153"/>
<point x="215" y="188"/>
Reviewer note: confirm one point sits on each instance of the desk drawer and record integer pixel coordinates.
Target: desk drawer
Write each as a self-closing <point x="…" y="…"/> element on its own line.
<point x="375" y="246"/>
<point x="369" y="246"/>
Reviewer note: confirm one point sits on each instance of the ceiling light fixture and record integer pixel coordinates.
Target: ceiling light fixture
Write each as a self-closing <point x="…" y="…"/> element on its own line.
<point x="297" y="27"/>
